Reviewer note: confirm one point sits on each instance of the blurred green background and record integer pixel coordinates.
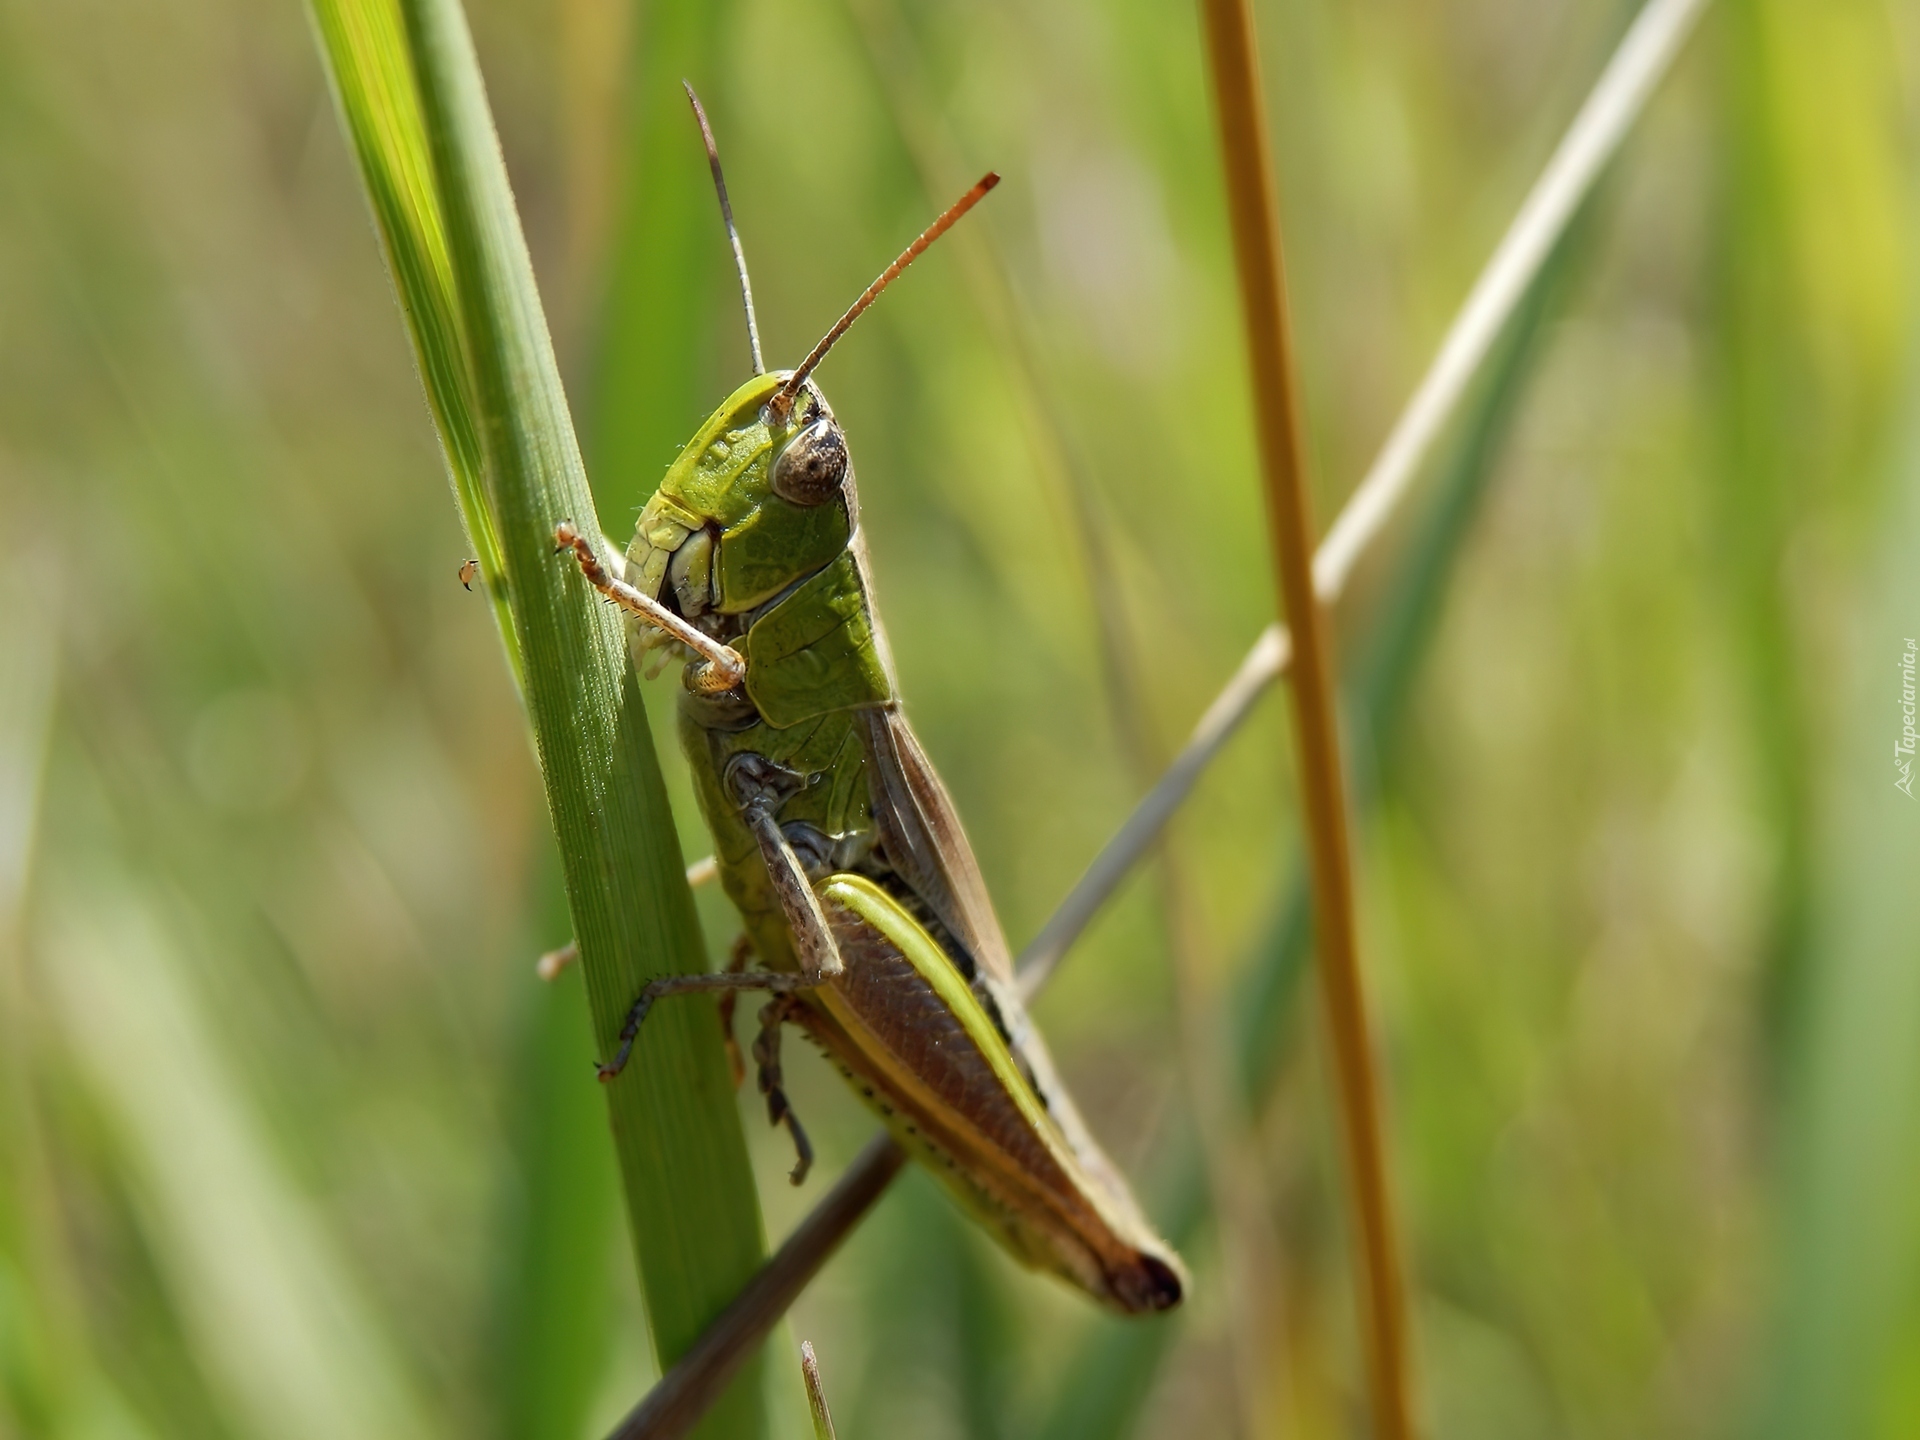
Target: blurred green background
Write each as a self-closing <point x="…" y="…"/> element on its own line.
<point x="293" y="1143"/>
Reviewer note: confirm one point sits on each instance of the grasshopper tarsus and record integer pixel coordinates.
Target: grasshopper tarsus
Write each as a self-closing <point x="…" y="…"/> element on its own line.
<point x="803" y="1161"/>
<point x="766" y="1054"/>
<point x="630" y="1031"/>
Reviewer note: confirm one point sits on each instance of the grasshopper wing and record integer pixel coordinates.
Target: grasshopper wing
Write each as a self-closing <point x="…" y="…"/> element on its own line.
<point x="925" y="843"/>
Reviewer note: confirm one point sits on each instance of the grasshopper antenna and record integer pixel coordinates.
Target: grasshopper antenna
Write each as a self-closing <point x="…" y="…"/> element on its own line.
<point x="782" y="402"/>
<point x="733" y="235"/>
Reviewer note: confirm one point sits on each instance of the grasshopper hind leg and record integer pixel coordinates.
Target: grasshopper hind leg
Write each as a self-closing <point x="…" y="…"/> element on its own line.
<point x="766" y="1053"/>
<point x="722" y="982"/>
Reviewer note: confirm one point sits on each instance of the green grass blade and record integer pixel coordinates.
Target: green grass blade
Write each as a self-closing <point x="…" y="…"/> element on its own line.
<point x="691" y="1204"/>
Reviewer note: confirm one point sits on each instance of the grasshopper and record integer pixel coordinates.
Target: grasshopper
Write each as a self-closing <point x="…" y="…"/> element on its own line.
<point x="834" y="837"/>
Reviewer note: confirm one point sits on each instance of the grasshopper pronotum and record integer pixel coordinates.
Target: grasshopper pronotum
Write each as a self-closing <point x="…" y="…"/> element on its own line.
<point x="834" y="837"/>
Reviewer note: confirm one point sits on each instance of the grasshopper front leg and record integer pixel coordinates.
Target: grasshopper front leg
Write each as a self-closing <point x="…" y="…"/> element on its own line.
<point x="760" y="788"/>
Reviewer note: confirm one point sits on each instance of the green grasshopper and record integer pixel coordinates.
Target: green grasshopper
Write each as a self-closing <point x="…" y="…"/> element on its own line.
<point x="834" y="837"/>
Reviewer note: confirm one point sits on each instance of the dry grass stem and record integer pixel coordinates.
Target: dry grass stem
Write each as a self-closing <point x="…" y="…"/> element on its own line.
<point x="674" y="1406"/>
<point x="1253" y="208"/>
<point x="816" y="1393"/>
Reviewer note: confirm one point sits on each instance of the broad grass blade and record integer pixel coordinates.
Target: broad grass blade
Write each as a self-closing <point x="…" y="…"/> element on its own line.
<point x="416" y="108"/>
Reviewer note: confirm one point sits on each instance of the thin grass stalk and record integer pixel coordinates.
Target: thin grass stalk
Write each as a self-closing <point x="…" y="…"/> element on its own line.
<point x="1618" y="97"/>
<point x="1253" y="208"/>
<point x="1640" y="61"/>
<point x="674" y="1406"/>
<point x="416" y="108"/>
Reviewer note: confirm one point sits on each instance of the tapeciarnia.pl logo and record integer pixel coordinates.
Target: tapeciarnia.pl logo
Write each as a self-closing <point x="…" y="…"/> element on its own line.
<point x="1903" y="747"/>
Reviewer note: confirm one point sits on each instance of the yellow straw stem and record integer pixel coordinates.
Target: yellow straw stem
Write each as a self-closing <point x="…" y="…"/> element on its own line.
<point x="1255" y="216"/>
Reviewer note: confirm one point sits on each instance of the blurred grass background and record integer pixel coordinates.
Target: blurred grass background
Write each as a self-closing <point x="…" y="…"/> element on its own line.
<point x="293" y="1143"/>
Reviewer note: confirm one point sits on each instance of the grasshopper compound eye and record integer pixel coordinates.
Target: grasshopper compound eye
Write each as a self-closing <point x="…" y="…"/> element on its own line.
<point x="810" y="469"/>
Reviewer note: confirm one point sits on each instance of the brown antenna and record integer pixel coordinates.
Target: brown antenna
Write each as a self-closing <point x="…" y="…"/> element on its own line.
<point x="733" y="235"/>
<point x="783" y="399"/>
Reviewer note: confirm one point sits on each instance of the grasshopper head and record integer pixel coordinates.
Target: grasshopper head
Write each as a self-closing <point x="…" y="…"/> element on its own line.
<point x="752" y="505"/>
<point x="762" y="497"/>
